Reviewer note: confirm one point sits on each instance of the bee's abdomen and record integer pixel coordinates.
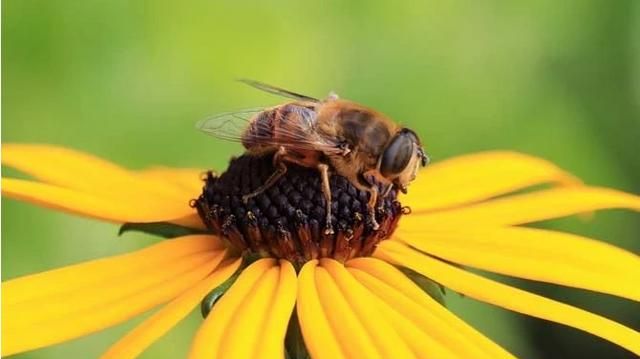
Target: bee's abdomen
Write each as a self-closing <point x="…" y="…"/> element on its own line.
<point x="260" y="132"/>
<point x="284" y="125"/>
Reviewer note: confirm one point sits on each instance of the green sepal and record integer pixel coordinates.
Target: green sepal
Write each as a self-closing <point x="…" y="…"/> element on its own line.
<point x="249" y="257"/>
<point x="162" y="229"/>
<point x="433" y="289"/>
<point x="212" y="298"/>
<point x="293" y="342"/>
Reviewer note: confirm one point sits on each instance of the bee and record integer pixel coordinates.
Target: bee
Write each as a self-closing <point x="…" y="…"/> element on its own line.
<point x="331" y="135"/>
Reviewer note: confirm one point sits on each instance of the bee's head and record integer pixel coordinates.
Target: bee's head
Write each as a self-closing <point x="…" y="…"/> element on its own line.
<point x="401" y="159"/>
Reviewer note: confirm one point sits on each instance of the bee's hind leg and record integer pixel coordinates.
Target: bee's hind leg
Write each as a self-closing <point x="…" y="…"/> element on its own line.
<point x="281" y="170"/>
<point x="326" y="191"/>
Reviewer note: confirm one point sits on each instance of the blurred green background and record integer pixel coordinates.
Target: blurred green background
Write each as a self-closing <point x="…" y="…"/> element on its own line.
<point x="127" y="81"/>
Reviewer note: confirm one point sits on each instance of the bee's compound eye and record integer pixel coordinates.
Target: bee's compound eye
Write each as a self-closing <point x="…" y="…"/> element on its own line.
<point x="397" y="155"/>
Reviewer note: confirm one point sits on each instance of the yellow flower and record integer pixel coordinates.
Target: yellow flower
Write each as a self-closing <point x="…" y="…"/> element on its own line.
<point x="464" y="214"/>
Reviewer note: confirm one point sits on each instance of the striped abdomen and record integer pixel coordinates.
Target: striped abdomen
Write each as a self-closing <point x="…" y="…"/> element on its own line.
<point x="285" y="125"/>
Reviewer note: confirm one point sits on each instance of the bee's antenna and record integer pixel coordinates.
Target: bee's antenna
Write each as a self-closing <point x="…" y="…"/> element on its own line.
<point x="276" y="90"/>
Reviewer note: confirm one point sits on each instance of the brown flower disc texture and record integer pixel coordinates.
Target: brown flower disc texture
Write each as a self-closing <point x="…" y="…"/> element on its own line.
<point x="288" y="220"/>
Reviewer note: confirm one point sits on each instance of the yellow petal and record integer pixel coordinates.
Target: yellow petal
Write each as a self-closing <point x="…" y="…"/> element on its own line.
<point x="508" y="297"/>
<point x="137" y="340"/>
<point x="348" y="328"/>
<point x="422" y="345"/>
<point x="208" y="341"/>
<point x="536" y="254"/>
<point x="91" y="273"/>
<point x="529" y="207"/>
<point x="385" y="338"/>
<point x="18" y="337"/>
<point x="110" y="209"/>
<point x="58" y="165"/>
<point x="242" y="333"/>
<point x="188" y="179"/>
<point x="412" y="328"/>
<point x="476" y="177"/>
<point x="82" y="172"/>
<point x="449" y="331"/>
<point x="273" y="332"/>
<point x="60" y="305"/>
<point x="320" y="339"/>
<point x="82" y="184"/>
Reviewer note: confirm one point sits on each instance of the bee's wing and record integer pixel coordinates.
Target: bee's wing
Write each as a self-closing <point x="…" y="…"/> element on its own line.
<point x="277" y="90"/>
<point x="228" y="126"/>
<point x="298" y="133"/>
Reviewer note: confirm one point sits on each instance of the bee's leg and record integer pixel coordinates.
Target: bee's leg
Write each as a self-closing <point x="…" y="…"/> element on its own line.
<point x="275" y="176"/>
<point x="281" y="170"/>
<point x="326" y="191"/>
<point x="364" y="185"/>
<point x="373" y="198"/>
<point x="387" y="190"/>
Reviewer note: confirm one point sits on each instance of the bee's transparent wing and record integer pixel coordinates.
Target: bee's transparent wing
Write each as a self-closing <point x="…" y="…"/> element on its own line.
<point x="299" y="132"/>
<point x="228" y="126"/>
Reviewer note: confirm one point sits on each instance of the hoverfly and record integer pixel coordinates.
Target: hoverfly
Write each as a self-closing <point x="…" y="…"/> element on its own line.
<point x="331" y="135"/>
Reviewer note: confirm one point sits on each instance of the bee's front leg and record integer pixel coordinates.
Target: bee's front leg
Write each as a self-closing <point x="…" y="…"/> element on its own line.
<point x="373" y="198"/>
<point x="387" y="190"/>
<point x="326" y="191"/>
<point x="364" y="185"/>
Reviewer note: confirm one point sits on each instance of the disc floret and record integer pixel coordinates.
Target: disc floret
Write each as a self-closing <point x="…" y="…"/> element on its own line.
<point x="288" y="220"/>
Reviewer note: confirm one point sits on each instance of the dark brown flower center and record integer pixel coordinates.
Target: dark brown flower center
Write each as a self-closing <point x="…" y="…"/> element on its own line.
<point x="288" y="220"/>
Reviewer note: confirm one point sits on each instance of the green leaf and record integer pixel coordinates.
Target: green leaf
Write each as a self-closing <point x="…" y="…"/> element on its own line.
<point x="162" y="229"/>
